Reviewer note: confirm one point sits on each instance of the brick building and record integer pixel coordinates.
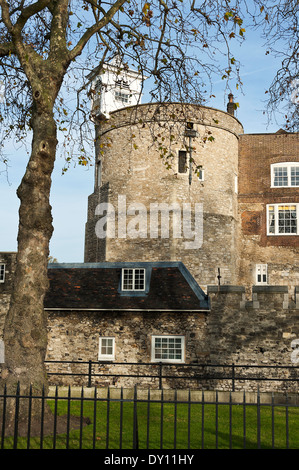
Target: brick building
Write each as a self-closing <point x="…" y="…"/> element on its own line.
<point x="268" y="206"/>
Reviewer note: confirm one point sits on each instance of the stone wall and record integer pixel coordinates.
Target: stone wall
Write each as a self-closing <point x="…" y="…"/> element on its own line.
<point x="7" y="258"/>
<point x="261" y="331"/>
<point x="74" y="336"/>
<point x="129" y="146"/>
<point x="234" y="193"/>
<point x="95" y="247"/>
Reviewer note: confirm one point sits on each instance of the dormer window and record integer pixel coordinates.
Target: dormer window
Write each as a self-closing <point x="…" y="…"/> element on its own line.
<point x="2" y="272"/>
<point x="285" y="175"/>
<point x="133" y="279"/>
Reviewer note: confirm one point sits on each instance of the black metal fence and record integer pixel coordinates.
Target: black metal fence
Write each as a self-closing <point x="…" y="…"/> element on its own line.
<point x="207" y="376"/>
<point x="148" y="419"/>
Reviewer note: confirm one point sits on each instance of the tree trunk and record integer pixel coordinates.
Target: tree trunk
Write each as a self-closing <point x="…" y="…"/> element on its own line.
<point x="25" y="329"/>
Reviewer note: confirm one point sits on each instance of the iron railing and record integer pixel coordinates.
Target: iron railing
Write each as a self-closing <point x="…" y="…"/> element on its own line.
<point x="207" y="375"/>
<point x="148" y="419"/>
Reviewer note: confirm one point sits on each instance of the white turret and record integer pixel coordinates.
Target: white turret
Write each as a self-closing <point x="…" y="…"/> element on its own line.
<point x="114" y="86"/>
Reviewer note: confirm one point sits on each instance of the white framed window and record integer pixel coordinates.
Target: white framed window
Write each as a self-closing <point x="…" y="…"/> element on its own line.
<point x="2" y="272"/>
<point x="285" y="175"/>
<point x="168" y="348"/>
<point x="133" y="279"/>
<point x="106" y="348"/>
<point x="282" y="219"/>
<point x="121" y="96"/>
<point x="261" y="276"/>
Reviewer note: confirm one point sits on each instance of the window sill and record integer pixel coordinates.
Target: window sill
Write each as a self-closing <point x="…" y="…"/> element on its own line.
<point x="282" y="234"/>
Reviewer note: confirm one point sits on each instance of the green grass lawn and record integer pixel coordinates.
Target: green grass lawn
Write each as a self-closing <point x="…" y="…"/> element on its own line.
<point x="183" y="426"/>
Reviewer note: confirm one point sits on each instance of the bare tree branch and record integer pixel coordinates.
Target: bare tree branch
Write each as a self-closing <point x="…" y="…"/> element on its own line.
<point x="95" y="28"/>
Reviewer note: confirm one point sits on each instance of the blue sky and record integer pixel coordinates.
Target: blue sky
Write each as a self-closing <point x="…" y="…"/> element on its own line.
<point x="70" y="192"/>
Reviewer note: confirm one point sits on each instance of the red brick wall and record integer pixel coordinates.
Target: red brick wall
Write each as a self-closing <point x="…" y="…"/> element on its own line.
<point x="256" y="154"/>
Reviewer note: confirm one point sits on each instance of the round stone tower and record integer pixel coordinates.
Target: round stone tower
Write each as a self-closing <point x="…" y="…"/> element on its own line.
<point x="166" y="189"/>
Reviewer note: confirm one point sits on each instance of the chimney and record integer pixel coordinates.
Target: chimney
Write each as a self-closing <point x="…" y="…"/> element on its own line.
<point x="230" y="104"/>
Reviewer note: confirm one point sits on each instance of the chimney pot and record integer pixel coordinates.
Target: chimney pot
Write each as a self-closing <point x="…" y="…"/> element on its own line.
<point x="230" y="104"/>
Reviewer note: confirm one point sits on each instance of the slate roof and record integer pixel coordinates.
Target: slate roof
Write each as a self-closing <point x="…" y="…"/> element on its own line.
<point x="97" y="286"/>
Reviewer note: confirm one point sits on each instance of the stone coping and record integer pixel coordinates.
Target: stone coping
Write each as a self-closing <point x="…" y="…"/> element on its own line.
<point x="225" y="289"/>
<point x="241" y="289"/>
<point x="271" y="289"/>
<point x="222" y="397"/>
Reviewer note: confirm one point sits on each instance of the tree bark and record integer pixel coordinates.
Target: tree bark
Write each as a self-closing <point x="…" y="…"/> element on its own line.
<point x="25" y="329"/>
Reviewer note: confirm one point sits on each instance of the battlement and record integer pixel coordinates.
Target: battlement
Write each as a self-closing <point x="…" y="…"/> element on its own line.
<point x="178" y="113"/>
<point x="263" y="297"/>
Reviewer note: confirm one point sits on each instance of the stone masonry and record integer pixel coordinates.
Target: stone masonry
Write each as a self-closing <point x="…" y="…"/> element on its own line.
<point x="261" y="331"/>
<point x="8" y="259"/>
<point x="132" y="168"/>
<point x="234" y="193"/>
